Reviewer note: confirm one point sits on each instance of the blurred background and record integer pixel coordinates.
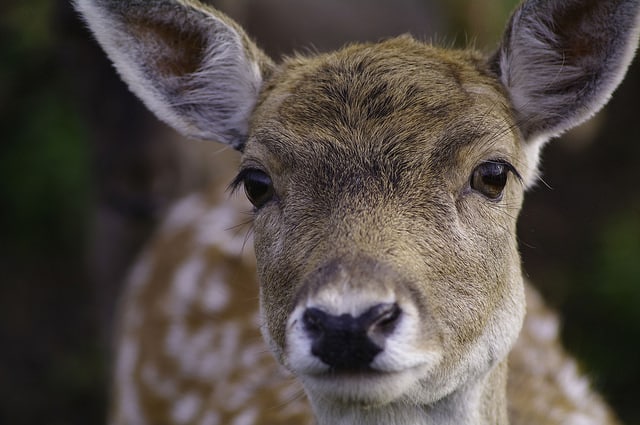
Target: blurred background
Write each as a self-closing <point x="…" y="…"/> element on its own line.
<point x="86" y="173"/>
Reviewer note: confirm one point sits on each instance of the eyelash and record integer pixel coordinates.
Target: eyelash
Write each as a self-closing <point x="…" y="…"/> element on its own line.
<point x="509" y="166"/>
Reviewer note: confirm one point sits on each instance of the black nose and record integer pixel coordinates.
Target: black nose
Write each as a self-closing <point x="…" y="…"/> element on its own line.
<point x="348" y="343"/>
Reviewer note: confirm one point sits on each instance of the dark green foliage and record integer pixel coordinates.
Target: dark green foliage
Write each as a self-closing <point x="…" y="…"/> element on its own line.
<point x="51" y="362"/>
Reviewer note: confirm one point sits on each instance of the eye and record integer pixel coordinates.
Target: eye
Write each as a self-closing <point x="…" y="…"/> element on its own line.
<point x="490" y="178"/>
<point x="257" y="186"/>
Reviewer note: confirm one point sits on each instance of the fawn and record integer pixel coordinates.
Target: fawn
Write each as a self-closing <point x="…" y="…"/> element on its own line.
<point x="386" y="180"/>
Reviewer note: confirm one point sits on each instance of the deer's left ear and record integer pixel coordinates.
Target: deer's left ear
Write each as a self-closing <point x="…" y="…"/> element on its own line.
<point x="560" y="61"/>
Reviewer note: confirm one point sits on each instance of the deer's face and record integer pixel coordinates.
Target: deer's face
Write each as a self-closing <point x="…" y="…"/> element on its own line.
<point x="386" y="186"/>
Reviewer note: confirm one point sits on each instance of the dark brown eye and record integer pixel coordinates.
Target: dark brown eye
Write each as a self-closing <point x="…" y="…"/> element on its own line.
<point x="257" y="186"/>
<point x="490" y="178"/>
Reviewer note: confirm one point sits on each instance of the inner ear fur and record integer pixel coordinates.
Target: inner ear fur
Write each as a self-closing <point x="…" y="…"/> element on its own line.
<point x="561" y="60"/>
<point x="191" y="65"/>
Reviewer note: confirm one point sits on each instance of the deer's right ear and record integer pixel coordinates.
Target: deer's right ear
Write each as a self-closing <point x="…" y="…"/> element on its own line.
<point x="192" y="66"/>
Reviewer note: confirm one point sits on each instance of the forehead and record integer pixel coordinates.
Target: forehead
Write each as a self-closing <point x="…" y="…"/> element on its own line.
<point x="400" y="96"/>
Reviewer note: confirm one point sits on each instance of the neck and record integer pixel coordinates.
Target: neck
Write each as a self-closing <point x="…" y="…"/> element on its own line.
<point x="482" y="402"/>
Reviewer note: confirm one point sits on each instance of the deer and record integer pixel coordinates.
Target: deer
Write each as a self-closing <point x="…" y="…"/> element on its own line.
<point x="385" y="181"/>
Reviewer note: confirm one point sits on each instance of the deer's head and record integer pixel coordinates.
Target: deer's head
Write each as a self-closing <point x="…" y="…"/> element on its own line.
<point x="386" y="179"/>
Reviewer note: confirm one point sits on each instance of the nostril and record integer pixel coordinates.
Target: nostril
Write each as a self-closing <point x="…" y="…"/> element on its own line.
<point x="385" y="317"/>
<point x="380" y="321"/>
<point x="314" y="321"/>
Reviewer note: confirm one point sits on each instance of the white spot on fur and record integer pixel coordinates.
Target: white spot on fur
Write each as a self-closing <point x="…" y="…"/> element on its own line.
<point x="543" y="328"/>
<point x="211" y="418"/>
<point x="229" y="344"/>
<point x="574" y="386"/>
<point x="209" y="353"/>
<point x="216" y="293"/>
<point x="185" y="409"/>
<point x="140" y="273"/>
<point x="577" y="418"/>
<point x="184" y="213"/>
<point x="248" y="417"/>
<point x="208" y="364"/>
<point x="185" y="288"/>
<point x="216" y="228"/>
<point x="165" y="388"/>
<point x="215" y="224"/>
<point x="194" y="352"/>
<point x="128" y="394"/>
<point x="175" y="338"/>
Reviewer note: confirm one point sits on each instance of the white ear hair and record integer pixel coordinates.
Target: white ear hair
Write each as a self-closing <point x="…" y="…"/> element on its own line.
<point x="191" y="65"/>
<point x="560" y="61"/>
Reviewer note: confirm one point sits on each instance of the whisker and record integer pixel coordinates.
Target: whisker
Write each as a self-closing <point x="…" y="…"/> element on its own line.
<point x="297" y="396"/>
<point x="547" y="185"/>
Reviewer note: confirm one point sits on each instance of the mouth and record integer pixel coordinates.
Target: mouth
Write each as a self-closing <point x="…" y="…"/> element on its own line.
<point x="362" y="374"/>
<point x="366" y="387"/>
